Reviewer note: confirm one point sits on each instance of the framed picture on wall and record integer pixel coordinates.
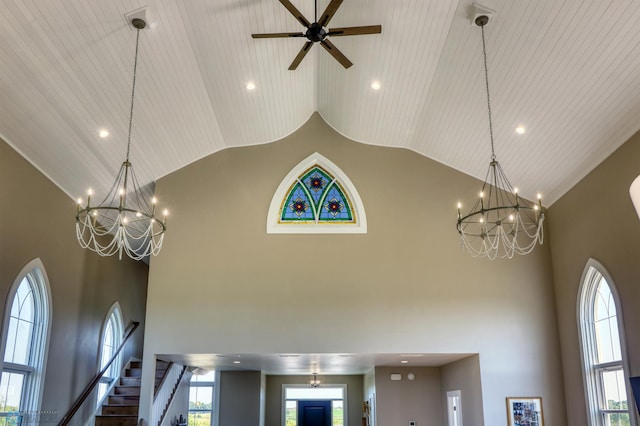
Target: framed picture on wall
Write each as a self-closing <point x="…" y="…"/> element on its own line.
<point x="524" y="411"/>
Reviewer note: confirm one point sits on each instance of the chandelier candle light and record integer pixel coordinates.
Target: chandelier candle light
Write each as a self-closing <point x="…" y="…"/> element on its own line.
<point x="124" y="221"/>
<point x="315" y="381"/>
<point x="501" y="223"/>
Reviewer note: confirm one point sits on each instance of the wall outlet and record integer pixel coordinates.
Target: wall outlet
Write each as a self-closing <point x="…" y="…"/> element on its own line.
<point x="412" y="423"/>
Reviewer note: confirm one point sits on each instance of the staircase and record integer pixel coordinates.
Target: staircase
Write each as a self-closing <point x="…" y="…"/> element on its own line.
<point x="122" y="404"/>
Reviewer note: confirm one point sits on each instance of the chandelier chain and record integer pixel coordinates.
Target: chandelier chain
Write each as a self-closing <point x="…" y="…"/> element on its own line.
<point x="486" y="84"/>
<point x="133" y="92"/>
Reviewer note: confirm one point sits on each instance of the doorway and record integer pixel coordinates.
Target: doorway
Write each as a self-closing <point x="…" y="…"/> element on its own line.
<point x="314" y="413"/>
<point x="305" y="406"/>
<point x="454" y="409"/>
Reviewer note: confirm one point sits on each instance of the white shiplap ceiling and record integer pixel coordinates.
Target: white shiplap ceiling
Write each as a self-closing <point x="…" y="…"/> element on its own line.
<point x="567" y="70"/>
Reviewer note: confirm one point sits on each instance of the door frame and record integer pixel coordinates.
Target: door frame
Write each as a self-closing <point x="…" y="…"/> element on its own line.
<point x="345" y="402"/>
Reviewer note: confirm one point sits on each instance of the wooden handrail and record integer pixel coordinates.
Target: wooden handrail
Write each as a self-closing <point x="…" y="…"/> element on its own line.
<point x="96" y="379"/>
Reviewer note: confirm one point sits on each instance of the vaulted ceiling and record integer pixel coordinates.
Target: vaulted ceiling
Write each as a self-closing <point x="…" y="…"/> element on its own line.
<point x="566" y="70"/>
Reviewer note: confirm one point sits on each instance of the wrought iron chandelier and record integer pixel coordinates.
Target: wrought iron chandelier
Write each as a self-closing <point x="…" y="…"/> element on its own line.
<point x="124" y="222"/>
<point x="501" y="223"/>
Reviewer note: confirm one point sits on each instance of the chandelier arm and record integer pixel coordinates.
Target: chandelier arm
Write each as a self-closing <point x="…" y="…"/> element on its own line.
<point x="139" y="196"/>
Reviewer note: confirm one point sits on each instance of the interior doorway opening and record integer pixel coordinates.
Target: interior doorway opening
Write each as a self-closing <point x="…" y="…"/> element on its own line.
<point x="319" y="406"/>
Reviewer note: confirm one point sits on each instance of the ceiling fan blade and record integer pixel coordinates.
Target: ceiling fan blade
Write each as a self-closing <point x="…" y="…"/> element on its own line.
<point x="329" y="47"/>
<point x="277" y="35"/>
<point x="329" y="12"/>
<point x="347" y="31"/>
<point x="296" y="13"/>
<point x="305" y="49"/>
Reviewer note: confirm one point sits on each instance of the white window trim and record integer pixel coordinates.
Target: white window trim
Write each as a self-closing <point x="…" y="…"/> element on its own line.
<point x="42" y="333"/>
<point x="274" y="226"/>
<point x="590" y="278"/>
<point x="117" y="364"/>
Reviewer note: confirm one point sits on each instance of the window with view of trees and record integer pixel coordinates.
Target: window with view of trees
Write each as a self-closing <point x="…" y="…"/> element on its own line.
<point x="24" y="344"/>
<point x="605" y="369"/>
<point x="201" y="399"/>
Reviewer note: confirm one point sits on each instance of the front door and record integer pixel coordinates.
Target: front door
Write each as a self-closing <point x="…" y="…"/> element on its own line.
<point x="314" y="413"/>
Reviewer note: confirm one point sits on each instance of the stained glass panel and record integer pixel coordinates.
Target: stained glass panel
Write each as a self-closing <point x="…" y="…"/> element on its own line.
<point x="316" y="197"/>
<point x="335" y="207"/>
<point x="297" y="206"/>
<point x="317" y="181"/>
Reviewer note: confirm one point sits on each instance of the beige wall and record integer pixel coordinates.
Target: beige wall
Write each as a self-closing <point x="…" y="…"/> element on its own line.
<point x="37" y="221"/>
<point x="400" y="401"/>
<point x="239" y="398"/>
<point x="406" y="286"/>
<point x="464" y="375"/>
<point x="596" y="220"/>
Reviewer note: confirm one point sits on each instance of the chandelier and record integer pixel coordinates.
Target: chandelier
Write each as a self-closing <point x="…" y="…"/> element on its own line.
<point x="124" y="221"/>
<point x="314" y="382"/>
<point x="501" y="223"/>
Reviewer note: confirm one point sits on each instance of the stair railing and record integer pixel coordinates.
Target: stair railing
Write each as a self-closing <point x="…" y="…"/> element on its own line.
<point x="165" y="392"/>
<point x="96" y="379"/>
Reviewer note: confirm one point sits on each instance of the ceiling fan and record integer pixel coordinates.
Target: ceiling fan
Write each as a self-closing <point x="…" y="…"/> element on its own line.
<point x="317" y="32"/>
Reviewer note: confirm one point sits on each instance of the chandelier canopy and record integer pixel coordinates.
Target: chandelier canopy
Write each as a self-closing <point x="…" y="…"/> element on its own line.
<point x="124" y="222"/>
<point x="501" y="223"/>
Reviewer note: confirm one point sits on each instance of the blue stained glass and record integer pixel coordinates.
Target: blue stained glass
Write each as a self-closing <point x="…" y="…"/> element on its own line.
<point x="316" y="192"/>
<point x="316" y="181"/>
<point x="297" y="206"/>
<point x="335" y="207"/>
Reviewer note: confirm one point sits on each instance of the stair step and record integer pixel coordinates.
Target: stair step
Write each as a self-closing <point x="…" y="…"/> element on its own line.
<point x="135" y="364"/>
<point x="116" y="420"/>
<point x="127" y="410"/>
<point x="126" y="390"/>
<point x="133" y="372"/>
<point x="137" y="372"/>
<point x="130" y="381"/>
<point x="123" y="399"/>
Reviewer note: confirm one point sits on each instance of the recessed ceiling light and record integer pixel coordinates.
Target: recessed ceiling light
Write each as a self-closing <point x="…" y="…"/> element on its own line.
<point x="375" y="85"/>
<point x="236" y="362"/>
<point x="404" y="361"/>
<point x="521" y="130"/>
<point x="251" y="85"/>
<point x="103" y="133"/>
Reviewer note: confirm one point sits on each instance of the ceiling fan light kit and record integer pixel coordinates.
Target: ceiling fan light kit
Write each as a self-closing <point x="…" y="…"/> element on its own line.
<point x="316" y="32"/>
<point x="501" y="223"/>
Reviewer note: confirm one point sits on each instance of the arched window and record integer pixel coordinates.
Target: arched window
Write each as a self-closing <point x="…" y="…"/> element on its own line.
<point x="604" y="361"/>
<point x="25" y="335"/>
<point x="112" y="335"/>
<point x="316" y="197"/>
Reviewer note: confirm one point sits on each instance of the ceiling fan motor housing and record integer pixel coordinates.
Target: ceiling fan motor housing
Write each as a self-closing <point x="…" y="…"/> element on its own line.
<point x="315" y="32"/>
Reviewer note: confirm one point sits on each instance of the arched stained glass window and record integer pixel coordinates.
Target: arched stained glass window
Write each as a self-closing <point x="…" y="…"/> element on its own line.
<point x="605" y="368"/>
<point x="316" y="197"/>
